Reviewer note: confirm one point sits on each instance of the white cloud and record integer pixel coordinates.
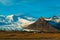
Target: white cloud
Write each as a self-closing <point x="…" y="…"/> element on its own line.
<point x="10" y="2"/>
<point x="14" y="2"/>
<point x="6" y="2"/>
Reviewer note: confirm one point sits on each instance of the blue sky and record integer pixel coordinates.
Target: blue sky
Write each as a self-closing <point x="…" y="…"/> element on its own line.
<point x="36" y="8"/>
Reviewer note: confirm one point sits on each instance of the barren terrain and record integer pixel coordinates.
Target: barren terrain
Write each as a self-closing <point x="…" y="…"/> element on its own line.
<point x="29" y="35"/>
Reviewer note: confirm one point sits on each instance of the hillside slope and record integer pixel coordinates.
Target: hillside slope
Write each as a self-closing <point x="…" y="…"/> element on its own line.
<point x="42" y="26"/>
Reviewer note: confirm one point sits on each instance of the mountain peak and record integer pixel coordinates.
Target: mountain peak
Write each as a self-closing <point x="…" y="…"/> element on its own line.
<point x="42" y="25"/>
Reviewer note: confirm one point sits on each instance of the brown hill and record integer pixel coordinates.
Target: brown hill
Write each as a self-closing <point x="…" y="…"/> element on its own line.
<point x="43" y="26"/>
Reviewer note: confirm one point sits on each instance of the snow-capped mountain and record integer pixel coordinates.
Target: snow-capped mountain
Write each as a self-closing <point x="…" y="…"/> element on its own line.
<point x="54" y="18"/>
<point x="16" y="18"/>
<point x="15" y="22"/>
<point x="54" y="21"/>
<point x="19" y="22"/>
<point x="2" y="18"/>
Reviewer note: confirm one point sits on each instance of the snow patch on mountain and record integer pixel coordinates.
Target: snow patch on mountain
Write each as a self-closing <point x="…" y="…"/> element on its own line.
<point x="10" y="18"/>
<point x="18" y="22"/>
<point x="15" y="22"/>
<point x="54" y="18"/>
<point x="24" y="22"/>
<point x="2" y="18"/>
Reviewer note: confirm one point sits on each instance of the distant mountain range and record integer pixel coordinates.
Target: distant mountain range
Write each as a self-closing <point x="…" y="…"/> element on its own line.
<point x="16" y="18"/>
<point x="29" y="23"/>
<point x="13" y="22"/>
<point x="54" y="21"/>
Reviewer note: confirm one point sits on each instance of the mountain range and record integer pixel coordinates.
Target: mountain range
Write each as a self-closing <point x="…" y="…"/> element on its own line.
<point x="15" y="22"/>
<point x="29" y="23"/>
<point x="43" y="26"/>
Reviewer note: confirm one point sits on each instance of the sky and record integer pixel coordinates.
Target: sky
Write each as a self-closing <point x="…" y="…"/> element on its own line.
<point x="36" y="8"/>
